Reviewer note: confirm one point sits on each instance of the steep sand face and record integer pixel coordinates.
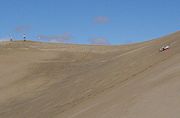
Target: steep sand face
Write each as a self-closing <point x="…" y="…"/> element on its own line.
<point x="41" y="80"/>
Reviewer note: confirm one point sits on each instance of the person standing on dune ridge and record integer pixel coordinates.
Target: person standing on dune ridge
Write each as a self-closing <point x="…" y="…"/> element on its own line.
<point x="24" y="37"/>
<point x="11" y="37"/>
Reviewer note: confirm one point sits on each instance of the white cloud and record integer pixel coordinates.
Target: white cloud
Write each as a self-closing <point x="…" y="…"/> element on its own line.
<point x="63" y="38"/>
<point x="4" y="39"/>
<point x="99" y="41"/>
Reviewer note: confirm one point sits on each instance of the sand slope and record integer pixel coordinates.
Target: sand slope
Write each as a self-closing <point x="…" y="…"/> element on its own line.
<point x="41" y="80"/>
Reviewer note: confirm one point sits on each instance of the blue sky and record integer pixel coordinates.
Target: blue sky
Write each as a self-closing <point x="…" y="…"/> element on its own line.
<point x="89" y="21"/>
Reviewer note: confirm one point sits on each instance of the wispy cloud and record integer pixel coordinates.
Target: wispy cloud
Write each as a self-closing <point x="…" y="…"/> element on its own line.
<point x="22" y="28"/>
<point x="63" y="38"/>
<point x="4" y="39"/>
<point x="99" y="41"/>
<point x="101" y="20"/>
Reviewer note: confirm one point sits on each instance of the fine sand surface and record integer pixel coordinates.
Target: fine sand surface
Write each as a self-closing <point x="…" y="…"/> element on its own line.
<point x="44" y="80"/>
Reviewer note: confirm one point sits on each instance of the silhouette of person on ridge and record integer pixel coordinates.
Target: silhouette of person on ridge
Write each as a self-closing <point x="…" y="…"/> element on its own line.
<point x="24" y="37"/>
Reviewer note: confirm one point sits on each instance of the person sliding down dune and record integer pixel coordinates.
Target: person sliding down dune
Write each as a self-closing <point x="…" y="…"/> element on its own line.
<point x="164" y="48"/>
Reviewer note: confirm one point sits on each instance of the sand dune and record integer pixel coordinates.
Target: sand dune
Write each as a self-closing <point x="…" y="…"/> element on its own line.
<point x="44" y="80"/>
